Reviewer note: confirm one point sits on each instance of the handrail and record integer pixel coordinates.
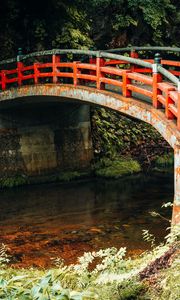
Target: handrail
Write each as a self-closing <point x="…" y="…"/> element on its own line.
<point x="147" y="48"/>
<point x="50" y="52"/>
<point x="79" y="52"/>
<point x="60" y="51"/>
<point x="87" y="52"/>
<point x="127" y="59"/>
<point x="168" y="75"/>
<point x="8" y="61"/>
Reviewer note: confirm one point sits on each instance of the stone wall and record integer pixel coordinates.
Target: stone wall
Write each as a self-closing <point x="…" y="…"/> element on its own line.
<point x="11" y="162"/>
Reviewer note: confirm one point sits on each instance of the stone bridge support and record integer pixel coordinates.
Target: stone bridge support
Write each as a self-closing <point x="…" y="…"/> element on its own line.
<point x="73" y="139"/>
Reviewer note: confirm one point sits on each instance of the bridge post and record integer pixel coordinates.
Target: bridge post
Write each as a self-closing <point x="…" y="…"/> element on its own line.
<point x="126" y="81"/>
<point x="36" y="73"/>
<point x="168" y="113"/>
<point x="99" y="63"/>
<point x="176" y="205"/>
<point x="55" y="60"/>
<point x="76" y="71"/>
<point x="3" y="80"/>
<point x="133" y="54"/>
<point x="19" y="72"/>
<point x="157" y="77"/>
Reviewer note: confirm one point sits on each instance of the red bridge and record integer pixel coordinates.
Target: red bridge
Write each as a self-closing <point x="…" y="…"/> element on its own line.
<point x="144" y="88"/>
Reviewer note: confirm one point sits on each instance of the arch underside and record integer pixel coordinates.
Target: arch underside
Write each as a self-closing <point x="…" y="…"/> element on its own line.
<point x="128" y="106"/>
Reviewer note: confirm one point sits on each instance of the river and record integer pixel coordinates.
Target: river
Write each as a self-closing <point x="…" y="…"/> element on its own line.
<point x="42" y="222"/>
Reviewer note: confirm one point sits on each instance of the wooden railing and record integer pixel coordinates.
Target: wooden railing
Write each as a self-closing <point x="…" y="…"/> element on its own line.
<point x="104" y="70"/>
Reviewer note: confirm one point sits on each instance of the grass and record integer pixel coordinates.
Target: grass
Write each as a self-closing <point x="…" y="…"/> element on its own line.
<point x="116" y="168"/>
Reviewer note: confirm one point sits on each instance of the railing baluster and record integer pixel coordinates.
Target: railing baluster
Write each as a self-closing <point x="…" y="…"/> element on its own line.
<point x="157" y="77"/>
<point x="19" y="72"/>
<point x="133" y="54"/>
<point x="3" y="79"/>
<point x="36" y="73"/>
<point x="100" y="62"/>
<point x="92" y="61"/>
<point x="76" y="71"/>
<point x="55" y="60"/>
<point x="126" y="81"/>
<point x="168" y="113"/>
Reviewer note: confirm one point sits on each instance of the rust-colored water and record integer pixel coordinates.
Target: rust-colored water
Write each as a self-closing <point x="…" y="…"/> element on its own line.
<point x="38" y="223"/>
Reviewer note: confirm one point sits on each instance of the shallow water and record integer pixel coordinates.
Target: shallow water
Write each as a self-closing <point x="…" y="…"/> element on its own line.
<point x="39" y="223"/>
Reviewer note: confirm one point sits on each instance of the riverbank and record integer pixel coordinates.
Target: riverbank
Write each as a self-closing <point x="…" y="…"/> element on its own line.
<point x="104" y="167"/>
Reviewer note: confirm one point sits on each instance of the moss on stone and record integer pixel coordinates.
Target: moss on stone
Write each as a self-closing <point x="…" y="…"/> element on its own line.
<point x="164" y="163"/>
<point x="10" y="182"/>
<point x="116" y="168"/>
<point x="71" y="175"/>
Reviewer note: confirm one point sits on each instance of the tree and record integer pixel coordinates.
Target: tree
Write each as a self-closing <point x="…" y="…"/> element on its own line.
<point x="118" y="23"/>
<point x="37" y="25"/>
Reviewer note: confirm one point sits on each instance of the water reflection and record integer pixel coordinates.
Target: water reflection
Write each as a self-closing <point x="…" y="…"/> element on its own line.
<point x="40" y="222"/>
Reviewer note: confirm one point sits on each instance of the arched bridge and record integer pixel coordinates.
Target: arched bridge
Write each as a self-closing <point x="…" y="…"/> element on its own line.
<point x="144" y="88"/>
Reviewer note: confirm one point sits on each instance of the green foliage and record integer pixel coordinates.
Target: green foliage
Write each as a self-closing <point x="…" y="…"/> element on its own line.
<point x="116" y="168"/>
<point x="165" y="161"/>
<point x="34" y="25"/>
<point x="131" y="290"/>
<point x="74" y="33"/>
<point x="134" y="22"/>
<point x="149" y="237"/>
<point x="70" y="175"/>
<point x="116" y="135"/>
<point x="10" y="182"/>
